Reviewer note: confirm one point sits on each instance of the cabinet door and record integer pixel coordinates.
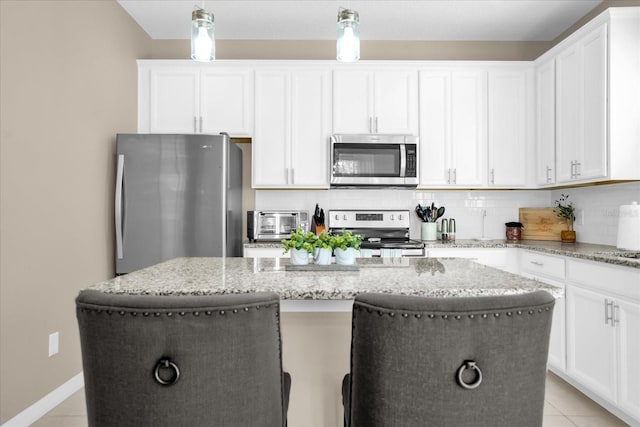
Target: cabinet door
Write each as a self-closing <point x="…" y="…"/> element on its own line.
<point x="225" y="101"/>
<point x="545" y="123"/>
<point x="435" y="127"/>
<point x="581" y="109"/>
<point x="468" y="145"/>
<point x="592" y="161"/>
<point x="352" y="101"/>
<point x="569" y="104"/>
<point x="310" y="128"/>
<point x="628" y="316"/>
<point x="270" y="145"/>
<point x="591" y="343"/>
<point x="173" y="101"/>
<point x="507" y="121"/>
<point x="557" y="338"/>
<point x="395" y="102"/>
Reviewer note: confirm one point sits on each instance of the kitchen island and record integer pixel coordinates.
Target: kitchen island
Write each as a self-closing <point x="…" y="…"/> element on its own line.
<point x="316" y="305"/>
<point x="437" y="277"/>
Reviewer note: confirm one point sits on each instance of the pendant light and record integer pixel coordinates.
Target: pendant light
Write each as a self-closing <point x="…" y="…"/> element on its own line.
<point x="203" y="43"/>
<point x="348" y="45"/>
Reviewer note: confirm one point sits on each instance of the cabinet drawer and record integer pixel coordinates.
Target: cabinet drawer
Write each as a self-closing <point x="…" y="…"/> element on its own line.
<point x="620" y="281"/>
<point x="543" y="265"/>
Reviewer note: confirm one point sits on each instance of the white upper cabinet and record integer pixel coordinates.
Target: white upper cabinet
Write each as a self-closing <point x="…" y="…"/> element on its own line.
<point x="509" y="126"/>
<point x="183" y="97"/>
<point x="597" y="79"/>
<point x="290" y="148"/>
<point x="453" y="127"/>
<point x="581" y="105"/>
<point x="381" y="101"/>
<point x="545" y="123"/>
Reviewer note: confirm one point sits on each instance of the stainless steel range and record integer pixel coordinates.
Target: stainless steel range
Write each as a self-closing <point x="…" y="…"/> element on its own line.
<point x="386" y="232"/>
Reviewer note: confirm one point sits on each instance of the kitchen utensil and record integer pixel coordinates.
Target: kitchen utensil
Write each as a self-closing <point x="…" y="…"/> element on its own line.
<point x="318" y="220"/>
<point x="440" y="212"/>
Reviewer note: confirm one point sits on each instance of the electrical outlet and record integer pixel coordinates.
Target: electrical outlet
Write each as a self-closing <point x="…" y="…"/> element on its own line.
<point x="53" y="343"/>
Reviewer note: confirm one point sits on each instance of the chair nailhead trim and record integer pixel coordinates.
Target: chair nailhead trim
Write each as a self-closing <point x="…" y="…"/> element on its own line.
<point x="182" y="313"/>
<point x="458" y="317"/>
<point x="222" y="312"/>
<point x="235" y="310"/>
<point x="484" y="316"/>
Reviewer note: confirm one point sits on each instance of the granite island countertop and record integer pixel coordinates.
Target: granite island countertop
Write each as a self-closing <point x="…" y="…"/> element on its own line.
<point x="439" y="277"/>
<point x="587" y="251"/>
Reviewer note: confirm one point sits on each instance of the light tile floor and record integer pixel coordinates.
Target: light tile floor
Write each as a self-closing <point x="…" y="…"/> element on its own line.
<point x="564" y="407"/>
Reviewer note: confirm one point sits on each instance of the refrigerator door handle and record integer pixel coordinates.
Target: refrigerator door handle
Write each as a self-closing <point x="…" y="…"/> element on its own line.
<point x="118" y="205"/>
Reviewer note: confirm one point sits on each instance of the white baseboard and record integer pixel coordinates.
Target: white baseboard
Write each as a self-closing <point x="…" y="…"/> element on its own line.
<point x="34" y="412"/>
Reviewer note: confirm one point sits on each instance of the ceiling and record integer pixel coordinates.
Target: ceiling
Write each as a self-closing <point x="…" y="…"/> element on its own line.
<point x="492" y="20"/>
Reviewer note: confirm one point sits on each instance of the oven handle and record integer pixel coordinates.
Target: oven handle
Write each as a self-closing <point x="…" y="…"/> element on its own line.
<point x="403" y="160"/>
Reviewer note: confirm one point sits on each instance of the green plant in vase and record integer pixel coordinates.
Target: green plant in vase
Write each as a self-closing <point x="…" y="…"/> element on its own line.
<point x="346" y="240"/>
<point x="346" y="246"/>
<point x="565" y="210"/>
<point x="301" y="244"/>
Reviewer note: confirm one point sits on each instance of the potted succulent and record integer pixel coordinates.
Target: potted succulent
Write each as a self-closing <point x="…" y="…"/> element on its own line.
<point x="345" y="246"/>
<point x="565" y="209"/>
<point x="301" y="244"/>
<point x="322" y="248"/>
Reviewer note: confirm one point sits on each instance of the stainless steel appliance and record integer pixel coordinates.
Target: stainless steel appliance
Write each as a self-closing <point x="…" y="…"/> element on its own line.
<point x="176" y="195"/>
<point x="275" y="225"/>
<point x="386" y="232"/>
<point x="374" y="160"/>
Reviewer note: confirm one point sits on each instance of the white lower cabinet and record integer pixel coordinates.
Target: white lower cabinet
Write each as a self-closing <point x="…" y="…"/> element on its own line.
<point x="551" y="270"/>
<point x="499" y="258"/>
<point x="264" y="253"/>
<point x="603" y="333"/>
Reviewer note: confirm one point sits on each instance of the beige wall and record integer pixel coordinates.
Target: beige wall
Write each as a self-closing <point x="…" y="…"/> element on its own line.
<point x="68" y="84"/>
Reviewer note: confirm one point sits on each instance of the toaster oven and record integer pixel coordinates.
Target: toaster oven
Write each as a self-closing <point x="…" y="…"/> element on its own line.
<point x="275" y="225"/>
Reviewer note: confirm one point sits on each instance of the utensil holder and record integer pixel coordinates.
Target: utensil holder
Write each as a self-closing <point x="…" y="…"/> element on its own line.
<point x="429" y="231"/>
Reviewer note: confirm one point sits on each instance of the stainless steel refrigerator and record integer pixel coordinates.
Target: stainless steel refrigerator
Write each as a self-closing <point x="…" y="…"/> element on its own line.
<point x="176" y="195"/>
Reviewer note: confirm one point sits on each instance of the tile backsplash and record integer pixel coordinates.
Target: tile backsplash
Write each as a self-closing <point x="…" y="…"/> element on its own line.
<point x="596" y="207"/>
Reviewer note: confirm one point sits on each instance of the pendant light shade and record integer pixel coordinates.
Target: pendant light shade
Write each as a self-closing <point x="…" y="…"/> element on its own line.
<point x="203" y="43"/>
<point x="348" y="45"/>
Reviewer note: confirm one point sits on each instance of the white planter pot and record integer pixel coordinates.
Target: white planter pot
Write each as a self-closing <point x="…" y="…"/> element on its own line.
<point x="345" y="257"/>
<point x="322" y="256"/>
<point x="299" y="256"/>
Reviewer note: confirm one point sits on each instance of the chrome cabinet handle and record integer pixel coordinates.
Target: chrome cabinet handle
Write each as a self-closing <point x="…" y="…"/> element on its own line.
<point x="293" y="181"/>
<point x="615" y="311"/>
<point x="118" y="205"/>
<point x="449" y="176"/>
<point x="608" y="304"/>
<point x="548" y="177"/>
<point x="195" y="124"/>
<point x="493" y="176"/>
<point x="577" y="173"/>
<point x="538" y="263"/>
<point x="455" y="176"/>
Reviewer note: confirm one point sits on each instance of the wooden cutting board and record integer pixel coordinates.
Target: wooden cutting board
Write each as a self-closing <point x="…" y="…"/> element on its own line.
<point x="541" y="224"/>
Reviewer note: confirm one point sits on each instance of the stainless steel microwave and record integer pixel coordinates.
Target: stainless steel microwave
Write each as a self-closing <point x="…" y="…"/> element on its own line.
<point x="374" y="160"/>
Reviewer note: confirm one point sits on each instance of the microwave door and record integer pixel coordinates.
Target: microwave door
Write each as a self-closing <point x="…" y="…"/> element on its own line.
<point x="367" y="164"/>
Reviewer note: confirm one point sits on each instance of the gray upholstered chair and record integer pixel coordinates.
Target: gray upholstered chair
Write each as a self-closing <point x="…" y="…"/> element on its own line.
<point x="448" y="361"/>
<point x="182" y="360"/>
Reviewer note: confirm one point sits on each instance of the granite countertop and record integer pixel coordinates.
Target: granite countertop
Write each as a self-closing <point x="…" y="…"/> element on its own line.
<point x="440" y="277"/>
<point x="587" y="251"/>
